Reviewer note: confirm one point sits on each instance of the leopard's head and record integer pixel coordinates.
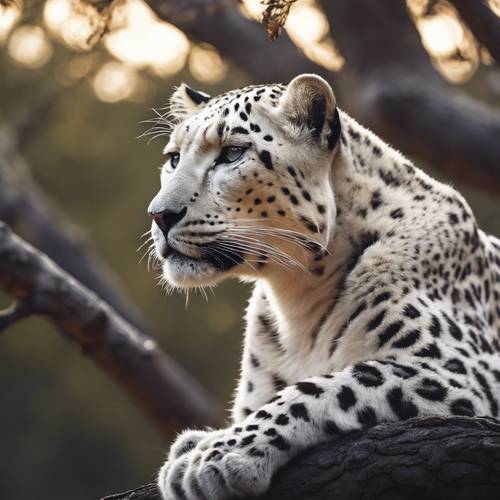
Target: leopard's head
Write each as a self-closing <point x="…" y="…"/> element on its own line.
<point x="246" y="187"/>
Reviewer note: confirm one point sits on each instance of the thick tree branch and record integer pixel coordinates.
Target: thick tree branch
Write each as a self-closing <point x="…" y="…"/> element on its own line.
<point x="390" y="85"/>
<point x="242" y="41"/>
<point x="160" y="387"/>
<point x="483" y="23"/>
<point x="24" y="206"/>
<point x="434" y="458"/>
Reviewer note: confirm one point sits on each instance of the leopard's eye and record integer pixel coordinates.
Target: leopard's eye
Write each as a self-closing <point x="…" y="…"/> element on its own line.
<point x="174" y="159"/>
<point x="230" y="154"/>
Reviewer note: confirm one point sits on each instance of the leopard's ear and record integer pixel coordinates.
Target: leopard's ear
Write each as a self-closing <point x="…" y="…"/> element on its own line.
<point x="185" y="101"/>
<point x="308" y="101"/>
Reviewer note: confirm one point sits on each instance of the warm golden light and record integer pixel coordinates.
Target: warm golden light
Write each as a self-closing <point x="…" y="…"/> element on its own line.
<point x="441" y="34"/>
<point x="495" y="6"/>
<point x="308" y="28"/>
<point x="29" y="46"/>
<point x="306" y="24"/>
<point x="56" y="13"/>
<point x="252" y="9"/>
<point x="206" y="64"/>
<point x="114" y="82"/>
<point x="139" y="39"/>
<point x="9" y="15"/>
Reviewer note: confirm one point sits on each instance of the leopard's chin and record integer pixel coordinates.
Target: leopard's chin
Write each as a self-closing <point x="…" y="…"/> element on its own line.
<point x="184" y="271"/>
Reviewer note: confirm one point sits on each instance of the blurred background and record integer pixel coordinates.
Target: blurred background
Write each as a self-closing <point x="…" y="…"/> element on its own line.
<point x="77" y="81"/>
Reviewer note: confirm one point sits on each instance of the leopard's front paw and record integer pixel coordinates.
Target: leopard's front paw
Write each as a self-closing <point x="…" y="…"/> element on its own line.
<point x="222" y="464"/>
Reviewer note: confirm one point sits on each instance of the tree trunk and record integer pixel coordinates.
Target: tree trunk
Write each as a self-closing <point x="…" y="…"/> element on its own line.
<point x="431" y="458"/>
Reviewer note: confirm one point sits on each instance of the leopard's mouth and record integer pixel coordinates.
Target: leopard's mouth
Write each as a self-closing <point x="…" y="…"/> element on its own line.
<point x="185" y="270"/>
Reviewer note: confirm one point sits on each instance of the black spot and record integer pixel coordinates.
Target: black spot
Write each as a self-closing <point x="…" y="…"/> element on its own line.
<point x="294" y="199"/>
<point x="376" y="200"/>
<point x="429" y="351"/>
<point x="389" y="332"/>
<point x="309" y="388"/>
<point x="321" y="209"/>
<point x="281" y="212"/>
<point x="278" y="383"/>
<point x="243" y="116"/>
<point x="485" y="386"/>
<point x="257" y="201"/>
<point x="255" y="362"/>
<point x="280" y="443"/>
<point x="454" y="365"/>
<point x="346" y="398"/>
<point x="402" y="408"/>
<point x="367" y="375"/>
<point x="463" y="407"/>
<point x="282" y="419"/>
<point x="403" y="371"/>
<point x="285" y="191"/>
<point x="291" y="171"/>
<point x="377" y="151"/>
<point x="265" y="158"/>
<point x="376" y="321"/>
<point x="407" y="340"/>
<point x="381" y="297"/>
<point x="271" y="199"/>
<point x="411" y="311"/>
<point x="431" y="390"/>
<point x="247" y="440"/>
<point x="367" y="416"/>
<point x="299" y="411"/>
<point x="268" y="138"/>
<point x="397" y="214"/>
<point x="248" y="107"/>
<point x="306" y="195"/>
<point x="263" y="414"/>
<point x="455" y="331"/>
<point x="252" y="427"/>
<point x="435" y="328"/>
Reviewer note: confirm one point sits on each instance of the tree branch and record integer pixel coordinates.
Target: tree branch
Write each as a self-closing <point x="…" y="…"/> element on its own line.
<point x="23" y="205"/>
<point x="393" y="88"/>
<point x="483" y="23"/>
<point x="432" y="458"/>
<point x="242" y="41"/>
<point x="160" y="387"/>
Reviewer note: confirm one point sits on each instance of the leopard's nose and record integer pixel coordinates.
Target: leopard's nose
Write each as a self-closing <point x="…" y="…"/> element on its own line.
<point x="167" y="219"/>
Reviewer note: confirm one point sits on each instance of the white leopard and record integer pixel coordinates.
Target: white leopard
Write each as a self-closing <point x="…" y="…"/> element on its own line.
<point x="376" y="296"/>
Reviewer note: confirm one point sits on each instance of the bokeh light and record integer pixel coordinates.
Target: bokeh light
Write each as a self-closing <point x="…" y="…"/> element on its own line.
<point x="452" y="48"/>
<point x="75" y="23"/>
<point x="441" y="34"/>
<point x="308" y="28"/>
<point x="115" y="82"/>
<point x="29" y="46"/>
<point x="206" y="64"/>
<point x="139" y="39"/>
<point x="9" y="15"/>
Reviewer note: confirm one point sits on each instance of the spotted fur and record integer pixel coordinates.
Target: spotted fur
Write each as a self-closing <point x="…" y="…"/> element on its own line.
<point x="376" y="295"/>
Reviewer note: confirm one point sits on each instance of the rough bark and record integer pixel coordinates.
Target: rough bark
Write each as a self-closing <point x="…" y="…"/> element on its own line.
<point x="393" y="88"/>
<point x="435" y="458"/>
<point x="26" y="207"/>
<point x="154" y="381"/>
